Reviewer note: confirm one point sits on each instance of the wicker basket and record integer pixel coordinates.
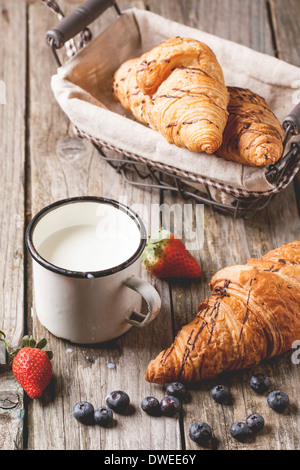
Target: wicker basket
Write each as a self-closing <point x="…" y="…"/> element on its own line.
<point x="141" y="172"/>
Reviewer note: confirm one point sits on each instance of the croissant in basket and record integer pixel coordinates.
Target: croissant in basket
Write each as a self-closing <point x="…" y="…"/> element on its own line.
<point x="177" y="89"/>
<point x="127" y="92"/>
<point x="253" y="135"/>
<point x="252" y="314"/>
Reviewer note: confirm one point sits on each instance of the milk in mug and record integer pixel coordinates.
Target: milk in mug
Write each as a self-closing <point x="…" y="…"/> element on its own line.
<point x="102" y="241"/>
<point x="86" y="270"/>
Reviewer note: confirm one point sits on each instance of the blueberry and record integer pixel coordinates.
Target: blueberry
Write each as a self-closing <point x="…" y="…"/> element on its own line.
<point x="84" y="412"/>
<point x="200" y="432"/>
<point x="176" y="389"/>
<point x="220" y="393"/>
<point x="103" y="416"/>
<point x="278" y="400"/>
<point x="170" y="405"/>
<point x="260" y="383"/>
<point x="255" y="422"/>
<point x="240" y="431"/>
<point x="151" y="406"/>
<point x="118" y="401"/>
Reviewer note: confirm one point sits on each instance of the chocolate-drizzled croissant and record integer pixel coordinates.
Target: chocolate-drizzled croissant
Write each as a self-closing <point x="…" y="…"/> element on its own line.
<point x="252" y="314"/>
<point x="126" y="90"/>
<point x="253" y="135"/>
<point x="177" y="89"/>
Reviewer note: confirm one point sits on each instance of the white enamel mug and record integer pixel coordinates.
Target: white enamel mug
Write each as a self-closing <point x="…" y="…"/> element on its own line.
<point x="86" y="263"/>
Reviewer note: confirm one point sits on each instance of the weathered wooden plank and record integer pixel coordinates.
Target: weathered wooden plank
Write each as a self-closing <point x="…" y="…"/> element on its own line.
<point x="12" y="123"/>
<point x="228" y="242"/>
<point x="78" y="369"/>
<point x="286" y="24"/>
<point x="62" y="166"/>
<point x="224" y="18"/>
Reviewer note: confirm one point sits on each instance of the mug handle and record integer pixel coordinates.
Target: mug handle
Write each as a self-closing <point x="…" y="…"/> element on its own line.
<point x="150" y="295"/>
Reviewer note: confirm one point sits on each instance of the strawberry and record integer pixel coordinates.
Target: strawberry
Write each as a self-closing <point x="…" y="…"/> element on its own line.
<point x="32" y="367"/>
<point x="166" y="257"/>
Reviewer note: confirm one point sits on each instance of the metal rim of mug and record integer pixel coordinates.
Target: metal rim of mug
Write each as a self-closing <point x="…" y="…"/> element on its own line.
<point x="88" y="274"/>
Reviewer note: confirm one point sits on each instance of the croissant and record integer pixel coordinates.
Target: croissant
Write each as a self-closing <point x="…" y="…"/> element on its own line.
<point x="253" y="135"/>
<point x="177" y="89"/>
<point x="127" y="92"/>
<point x="252" y="314"/>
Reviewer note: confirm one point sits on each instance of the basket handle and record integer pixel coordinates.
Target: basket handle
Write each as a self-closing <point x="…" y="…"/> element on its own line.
<point x="293" y="120"/>
<point x="76" y="21"/>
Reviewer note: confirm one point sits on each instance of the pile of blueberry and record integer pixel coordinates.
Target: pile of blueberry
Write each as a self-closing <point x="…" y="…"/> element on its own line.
<point x="200" y="432"/>
<point x="169" y="405"/>
<point x="117" y="401"/>
<point x="277" y="400"/>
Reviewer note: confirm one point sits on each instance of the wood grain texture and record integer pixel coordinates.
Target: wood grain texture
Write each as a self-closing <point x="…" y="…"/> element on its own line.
<point x="286" y="24"/>
<point x="12" y="158"/>
<point x="62" y="166"/>
<point x="242" y="21"/>
<point x="228" y="242"/>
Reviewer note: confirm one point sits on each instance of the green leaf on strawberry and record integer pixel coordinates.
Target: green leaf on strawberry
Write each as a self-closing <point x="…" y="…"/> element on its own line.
<point x="41" y="344"/>
<point x="32" y="367"/>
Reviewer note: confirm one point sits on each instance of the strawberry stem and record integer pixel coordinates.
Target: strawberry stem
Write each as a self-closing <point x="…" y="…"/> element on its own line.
<point x="28" y="341"/>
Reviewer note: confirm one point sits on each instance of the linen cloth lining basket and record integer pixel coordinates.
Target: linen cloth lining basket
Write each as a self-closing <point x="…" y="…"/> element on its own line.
<point x="82" y="87"/>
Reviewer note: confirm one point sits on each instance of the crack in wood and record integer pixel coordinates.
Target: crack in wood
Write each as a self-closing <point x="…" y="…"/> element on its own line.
<point x="9" y="399"/>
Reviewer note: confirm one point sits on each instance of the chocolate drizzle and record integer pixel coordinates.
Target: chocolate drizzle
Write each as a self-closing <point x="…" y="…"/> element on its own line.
<point x="191" y="342"/>
<point x="196" y="94"/>
<point x="191" y="70"/>
<point x="166" y="354"/>
<point x="221" y="292"/>
<point x="250" y="126"/>
<point x="247" y="309"/>
<point x="191" y="122"/>
<point x="272" y="269"/>
<point x="186" y="123"/>
<point x="166" y="96"/>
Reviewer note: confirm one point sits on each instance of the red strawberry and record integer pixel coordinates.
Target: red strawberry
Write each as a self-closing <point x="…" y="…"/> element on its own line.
<point x="32" y="367"/>
<point x="165" y="256"/>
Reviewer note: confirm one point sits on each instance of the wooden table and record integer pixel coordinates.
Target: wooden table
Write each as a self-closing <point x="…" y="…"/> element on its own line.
<point x="41" y="162"/>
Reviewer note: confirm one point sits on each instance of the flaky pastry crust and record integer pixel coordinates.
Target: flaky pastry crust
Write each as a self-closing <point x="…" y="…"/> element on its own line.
<point x="253" y="135"/>
<point x="178" y="89"/>
<point x="252" y="314"/>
